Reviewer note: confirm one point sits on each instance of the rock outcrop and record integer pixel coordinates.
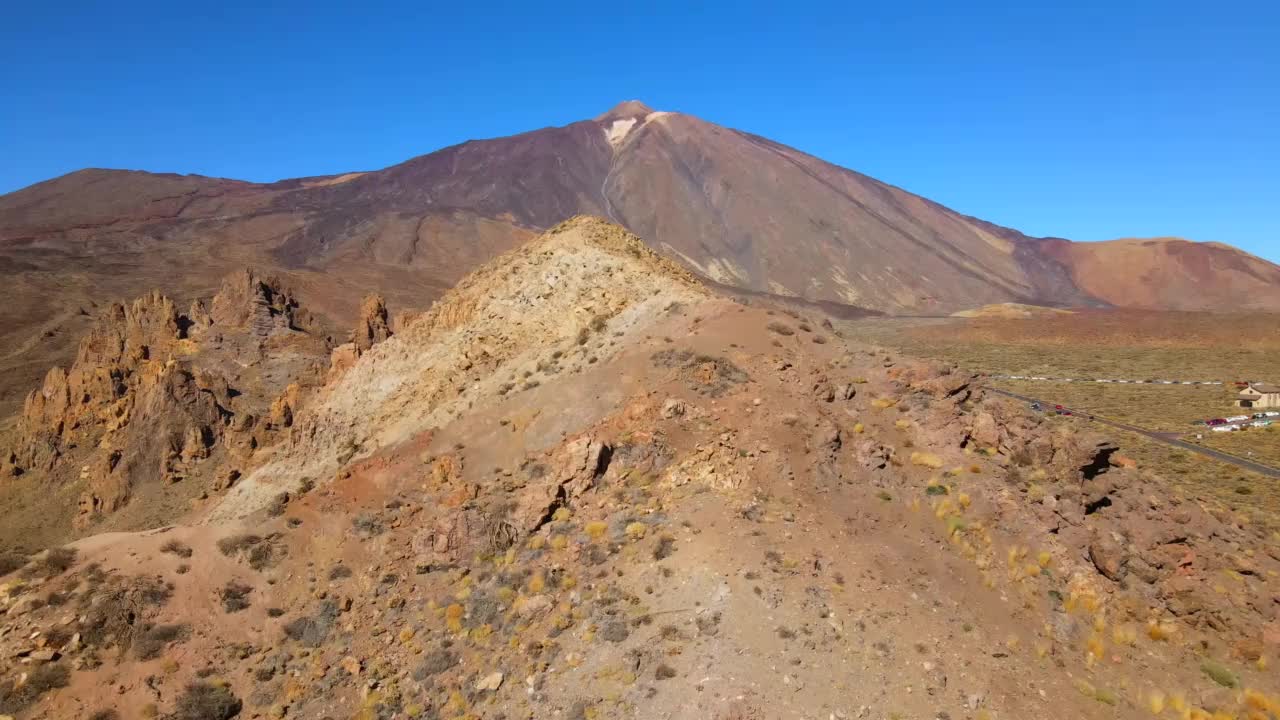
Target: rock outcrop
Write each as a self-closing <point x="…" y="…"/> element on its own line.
<point x="96" y="393"/>
<point x="372" y="327"/>
<point x="154" y="392"/>
<point x="260" y="306"/>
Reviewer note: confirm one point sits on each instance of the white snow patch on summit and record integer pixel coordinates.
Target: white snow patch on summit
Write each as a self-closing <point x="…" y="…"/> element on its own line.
<point x="618" y="130"/>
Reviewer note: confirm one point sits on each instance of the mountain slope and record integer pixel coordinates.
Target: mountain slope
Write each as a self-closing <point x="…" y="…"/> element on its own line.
<point x="695" y="508"/>
<point x="1170" y="274"/>
<point x="738" y="208"/>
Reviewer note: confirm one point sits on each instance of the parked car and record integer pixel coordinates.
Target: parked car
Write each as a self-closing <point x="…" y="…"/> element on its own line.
<point x="1260" y="423"/>
<point x="1259" y="416"/>
<point x="1057" y="407"/>
<point x="1272" y="413"/>
<point x="1225" y="428"/>
<point x="1035" y="406"/>
<point x="1216" y="421"/>
<point x="1237" y="418"/>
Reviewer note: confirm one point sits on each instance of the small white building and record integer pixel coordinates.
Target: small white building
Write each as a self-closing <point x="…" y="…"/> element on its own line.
<point x="1259" y="395"/>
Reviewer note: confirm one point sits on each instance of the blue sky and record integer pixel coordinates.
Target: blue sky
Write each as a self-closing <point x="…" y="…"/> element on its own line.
<point x="1105" y="120"/>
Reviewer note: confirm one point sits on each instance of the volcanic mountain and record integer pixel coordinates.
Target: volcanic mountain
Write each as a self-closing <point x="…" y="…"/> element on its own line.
<point x="734" y="207"/>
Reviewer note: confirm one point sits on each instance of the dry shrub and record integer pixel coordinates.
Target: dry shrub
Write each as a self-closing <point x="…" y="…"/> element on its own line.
<point x="10" y="561"/>
<point x="153" y="639"/>
<point x="781" y="328"/>
<point x="278" y="504"/>
<point x="434" y="663"/>
<point x="203" y="701"/>
<point x="666" y="545"/>
<point x="41" y="680"/>
<point x="262" y="556"/>
<point x="314" y="631"/>
<point x="367" y="526"/>
<point x="114" y="615"/>
<point x="174" y="547"/>
<point x="236" y="543"/>
<point x="235" y="596"/>
<point x="53" y="561"/>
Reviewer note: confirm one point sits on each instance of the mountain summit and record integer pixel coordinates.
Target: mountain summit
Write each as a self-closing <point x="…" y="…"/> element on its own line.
<point x="625" y="110"/>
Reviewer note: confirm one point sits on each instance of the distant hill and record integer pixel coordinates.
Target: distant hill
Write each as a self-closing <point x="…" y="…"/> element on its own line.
<point x="1170" y="274"/>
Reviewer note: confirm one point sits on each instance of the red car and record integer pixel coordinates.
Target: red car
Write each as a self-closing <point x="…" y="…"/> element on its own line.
<point x="1216" y="421"/>
<point x="1057" y="407"/>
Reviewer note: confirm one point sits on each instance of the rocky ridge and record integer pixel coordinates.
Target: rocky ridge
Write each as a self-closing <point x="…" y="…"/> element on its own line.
<point x="732" y="512"/>
<point x="586" y="287"/>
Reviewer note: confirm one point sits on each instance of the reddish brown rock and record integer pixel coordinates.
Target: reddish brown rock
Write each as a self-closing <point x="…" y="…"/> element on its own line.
<point x="985" y="432"/>
<point x="261" y="306"/>
<point x="570" y="471"/>
<point x="150" y="395"/>
<point x="1108" y="558"/>
<point x="372" y="327"/>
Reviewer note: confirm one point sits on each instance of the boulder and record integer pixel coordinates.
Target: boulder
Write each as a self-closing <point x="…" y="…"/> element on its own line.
<point x="985" y="433"/>
<point x="570" y="471"/>
<point x="1109" y="558"/>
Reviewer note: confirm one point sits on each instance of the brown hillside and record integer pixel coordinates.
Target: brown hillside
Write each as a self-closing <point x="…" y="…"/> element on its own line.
<point x="584" y="486"/>
<point x="1171" y="274"/>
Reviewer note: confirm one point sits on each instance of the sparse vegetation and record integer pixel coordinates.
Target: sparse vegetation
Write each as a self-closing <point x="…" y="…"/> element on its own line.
<point x="434" y="663"/>
<point x="11" y="561"/>
<point x="153" y="639"/>
<point x="709" y="375"/>
<point x="51" y="562"/>
<point x="235" y="596"/>
<point x="313" y="630"/>
<point x="205" y="701"/>
<point x="1219" y="673"/>
<point x="174" y="547"/>
<point x="112" y="617"/>
<point x="366" y="525"/>
<point x="665" y="546"/>
<point x="237" y="543"/>
<point x="15" y="698"/>
<point x="262" y="556"/>
<point x="278" y="504"/>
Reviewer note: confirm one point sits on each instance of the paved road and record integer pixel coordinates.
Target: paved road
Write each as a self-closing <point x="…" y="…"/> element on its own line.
<point x="1165" y="383"/>
<point x="1158" y="437"/>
